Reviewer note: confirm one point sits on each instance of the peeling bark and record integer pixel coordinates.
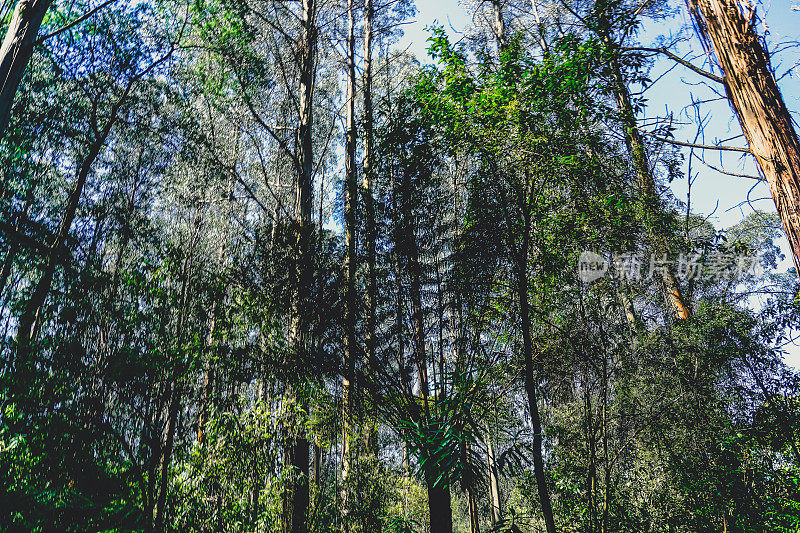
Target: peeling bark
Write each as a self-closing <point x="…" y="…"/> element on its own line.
<point x="754" y="95"/>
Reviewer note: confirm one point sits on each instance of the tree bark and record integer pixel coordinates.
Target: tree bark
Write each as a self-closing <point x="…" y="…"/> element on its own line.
<point x="439" y="504"/>
<point x="472" y="503"/>
<point x="754" y="95"/>
<point x="350" y="266"/>
<point x="499" y="25"/>
<point x="530" y="382"/>
<point x="16" y="51"/>
<point x="372" y="521"/>
<point x="296" y="450"/>
<point x="647" y="190"/>
<point x="370" y="318"/>
<point x="495" y="511"/>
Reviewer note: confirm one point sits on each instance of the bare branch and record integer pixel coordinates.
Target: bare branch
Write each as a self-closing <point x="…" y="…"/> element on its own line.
<point x="678" y="59"/>
<point x="693" y="145"/>
<point x="712" y="167"/>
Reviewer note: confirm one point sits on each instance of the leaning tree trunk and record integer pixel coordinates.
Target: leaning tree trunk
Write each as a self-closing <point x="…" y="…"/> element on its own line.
<point x="753" y="93"/>
<point x="647" y="191"/>
<point x="29" y="320"/>
<point x="17" y="50"/>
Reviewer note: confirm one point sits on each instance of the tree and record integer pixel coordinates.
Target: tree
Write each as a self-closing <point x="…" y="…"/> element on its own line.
<point x="755" y="97"/>
<point x="16" y="50"/>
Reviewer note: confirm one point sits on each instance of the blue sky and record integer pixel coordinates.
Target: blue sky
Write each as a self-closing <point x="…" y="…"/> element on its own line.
<point x="715" y="195"/>
<point x="673" y="92"/>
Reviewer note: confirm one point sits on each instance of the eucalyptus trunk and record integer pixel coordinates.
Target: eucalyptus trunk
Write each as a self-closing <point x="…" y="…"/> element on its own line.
<point x="16" y="51"/>
<point x="754" y="94"/>
<point x="350" y="266"/>
<point x="297" y="448"/>
<point x="530" y="373"/>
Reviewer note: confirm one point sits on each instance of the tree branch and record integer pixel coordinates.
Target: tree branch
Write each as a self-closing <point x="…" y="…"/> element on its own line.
<point x="712" y="167"/>
<point x="677" y="59"/>
<point x="75" y="22"/>
<point x="693" y="145"/>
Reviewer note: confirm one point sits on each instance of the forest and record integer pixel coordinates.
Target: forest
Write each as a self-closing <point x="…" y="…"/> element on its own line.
<point x="265" y="268"/>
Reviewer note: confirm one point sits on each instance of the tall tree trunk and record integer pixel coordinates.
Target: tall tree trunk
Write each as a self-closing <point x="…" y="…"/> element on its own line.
<point x="296" y="451"/>
<point x="754" y="94"/>
<point x="495" y="511"/>
<point x="530" y="382"/>
<point x="647" y="190"/>
<point x="174" y="399"/>
<point x="499" y="25"/>
<point x="350" y="266"/>
<point x="16" y="51"/>
<point x="472" y="503"/>
<point x="372" y="521"/>
<point x="27" y="327"/>
<point x="370" y="232"/>
<point x="437" y="482"/>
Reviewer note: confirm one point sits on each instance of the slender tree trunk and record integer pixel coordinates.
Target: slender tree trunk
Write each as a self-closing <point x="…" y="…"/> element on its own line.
<point x="26" y="330"/>
<point x="350" y="266"/>
<point x="540" y="28"/>
<point x="530" y="383"/>
<point x="754" y="94"/>
<point x="495" y="511"/>
<point x="16" y="51"/>
<point x="472" y="504"/>
<point x="372" y="521"/>
<point x="296" y="450"/>
<point x="258" y="482"/>
<point x="606" y="464"/>
<point x="591" y="475"/>
<point x="369" y="202"/>
<point x="647" y="190"/>
<point x="174" y="399"/>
